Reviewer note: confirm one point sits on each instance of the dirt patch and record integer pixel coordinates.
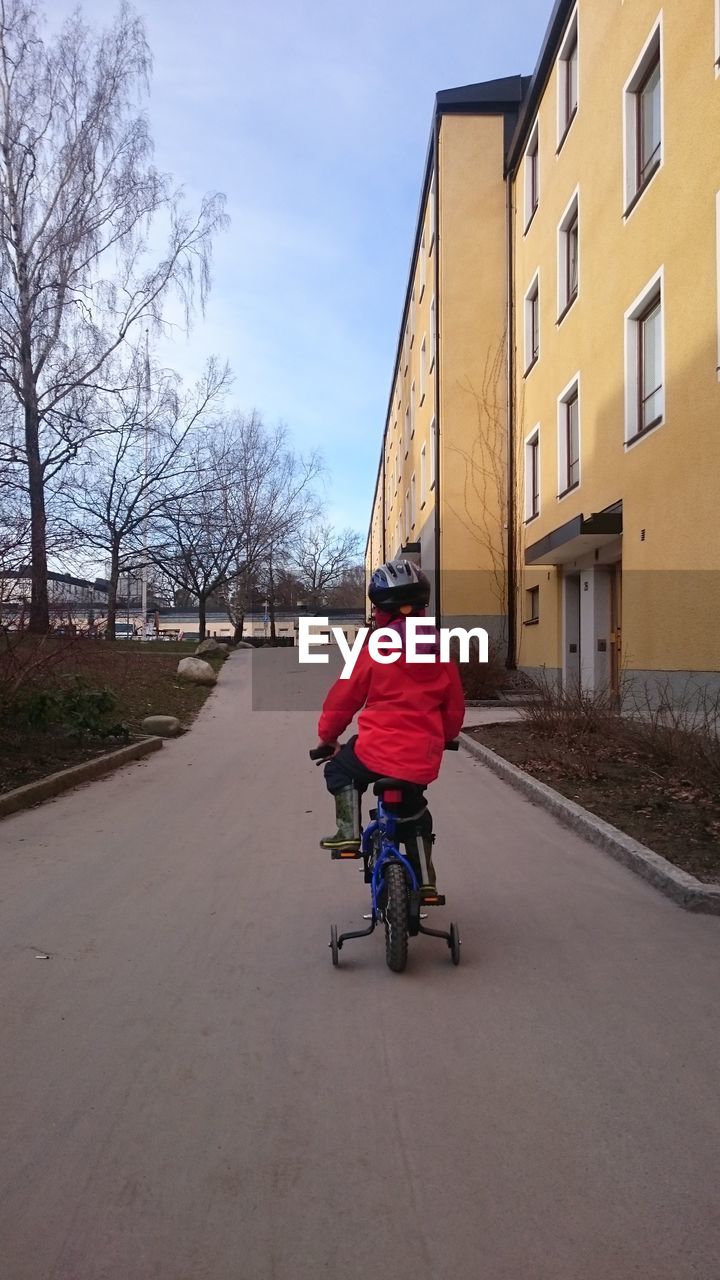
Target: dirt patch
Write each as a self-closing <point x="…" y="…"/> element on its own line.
<point x="620" y="782"/>
<point x="143" y="682"/>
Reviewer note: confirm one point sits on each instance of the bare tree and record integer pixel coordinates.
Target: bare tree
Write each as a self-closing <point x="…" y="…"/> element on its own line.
<point x="322" y="556"/>
<point x="270" y="498"/>
<point x="196" y="541"/>
<point x="77" y="195"/>
<point x="137" y="464"/>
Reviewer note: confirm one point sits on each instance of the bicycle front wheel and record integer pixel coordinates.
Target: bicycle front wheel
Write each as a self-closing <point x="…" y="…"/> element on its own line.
<point x="396" y="917"/>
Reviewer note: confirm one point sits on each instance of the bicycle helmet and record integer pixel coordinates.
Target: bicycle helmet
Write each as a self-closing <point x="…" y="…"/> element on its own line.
<point x="398" y="583"/>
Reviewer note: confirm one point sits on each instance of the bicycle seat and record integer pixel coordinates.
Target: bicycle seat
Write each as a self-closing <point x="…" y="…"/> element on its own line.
<point x="395" y="784"/>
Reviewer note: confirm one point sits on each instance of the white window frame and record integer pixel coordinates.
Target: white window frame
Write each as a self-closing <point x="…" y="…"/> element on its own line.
<point x="413" y="407"/>
<point x="566" y="395"/>
<point x="433" y="450"/>
<point x="423" y="368"/>
<point x="423" y="476"/>
<point x="572" y="36"/>
<point x="572" y="211"/>
<point x="654" y="286"/>
<point x="653" y="47"/>
<point x="533" y="294"/>
<point x="433" y="333"/>
<point x="532" y="439"/>
<point x="531" y="150"/>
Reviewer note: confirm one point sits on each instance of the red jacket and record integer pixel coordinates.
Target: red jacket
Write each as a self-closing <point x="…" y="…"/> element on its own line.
<point x="410" y="710"/>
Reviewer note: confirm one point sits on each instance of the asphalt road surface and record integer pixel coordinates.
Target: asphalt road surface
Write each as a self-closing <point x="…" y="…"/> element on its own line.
<point x="190" y="1091"/>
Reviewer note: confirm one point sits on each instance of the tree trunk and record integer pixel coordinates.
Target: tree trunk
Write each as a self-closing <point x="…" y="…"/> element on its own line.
<point x="238" y="631"/>
<point x="112" y="590"/>
<point x="202" y="603"/>
<point x="39" y="607"/>
<point x="271" y="599"/>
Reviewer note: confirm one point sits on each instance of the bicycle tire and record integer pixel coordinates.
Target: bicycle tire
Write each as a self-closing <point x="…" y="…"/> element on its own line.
<point x="396" y="917"/>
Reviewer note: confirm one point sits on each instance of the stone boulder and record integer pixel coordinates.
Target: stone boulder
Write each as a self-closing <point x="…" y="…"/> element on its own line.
<point x="195" y="671"/>
<point x="243" y="644"/>
<point x="162" y="726"/>
<point x="210" y="646"/>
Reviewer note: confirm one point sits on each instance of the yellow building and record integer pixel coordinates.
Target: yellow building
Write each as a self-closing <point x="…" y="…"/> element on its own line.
<point x="610" y="257"/>
<point x="440" y="490"/>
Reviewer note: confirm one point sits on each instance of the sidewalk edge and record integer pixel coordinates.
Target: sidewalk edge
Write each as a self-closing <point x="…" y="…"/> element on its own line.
<point x="682" y="888"/>
<point x="65" y="779"/>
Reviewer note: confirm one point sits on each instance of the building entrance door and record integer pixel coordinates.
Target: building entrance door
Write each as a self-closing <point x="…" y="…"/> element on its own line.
<point x="571" y="629"/>
<point x="615" y="628"/>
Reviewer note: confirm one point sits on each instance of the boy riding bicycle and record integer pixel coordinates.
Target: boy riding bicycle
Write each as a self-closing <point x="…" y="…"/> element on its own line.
<point x="409" y="711"/>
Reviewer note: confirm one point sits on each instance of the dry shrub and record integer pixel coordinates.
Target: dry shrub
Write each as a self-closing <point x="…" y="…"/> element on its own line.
<point x="568" y="712"/>
<point x="480" y="680"/>
<point x="681" y="730"/>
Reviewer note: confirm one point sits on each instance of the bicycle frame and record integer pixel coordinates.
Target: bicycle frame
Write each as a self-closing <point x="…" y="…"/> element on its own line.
<point x="386" y="824"/>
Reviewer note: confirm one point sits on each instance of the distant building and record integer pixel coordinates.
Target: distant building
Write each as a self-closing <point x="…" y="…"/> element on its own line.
<point x="72" y="600"/>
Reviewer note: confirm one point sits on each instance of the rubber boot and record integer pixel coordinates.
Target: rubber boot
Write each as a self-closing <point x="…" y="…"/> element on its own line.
<point x="418" y="848"/>
<point x="347" y="814"/>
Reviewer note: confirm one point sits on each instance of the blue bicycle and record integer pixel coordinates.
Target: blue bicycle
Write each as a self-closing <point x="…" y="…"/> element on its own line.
<point x="395" y="898"/>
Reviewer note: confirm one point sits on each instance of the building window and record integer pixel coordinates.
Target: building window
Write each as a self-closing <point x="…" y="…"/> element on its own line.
<point x="433" y="333"/>
<point x="412" y="410"/>
<point x="532" y="324"/>
<point x="406" y="346"/>
<point x="413" y="501"/>
<point x="406" y="436"/>
<point x="645" y="361"/>
<point x="423" y="266"/>
<point x="569" y="257"/>
<point x="423" y="369"/>
<point x="532" y="475"/>
<point x="433" y="452"/>
<point x="568" y="80"/>
<point x="423" y="476"/>
<point x="569" y="438"/>
<point x="413" y="312"/>
<point x="532" y="177"/>
<point x="407" y="515"/>
<point x="532" y="605"/>
<point x="643" y="120"/>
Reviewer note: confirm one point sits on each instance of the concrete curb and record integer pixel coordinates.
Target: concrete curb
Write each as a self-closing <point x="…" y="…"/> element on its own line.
<point x="684" y="889"/>
<point x="56" y="783"/>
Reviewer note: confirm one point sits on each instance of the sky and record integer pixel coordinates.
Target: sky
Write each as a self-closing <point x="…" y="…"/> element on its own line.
<point x="314" y="120"/>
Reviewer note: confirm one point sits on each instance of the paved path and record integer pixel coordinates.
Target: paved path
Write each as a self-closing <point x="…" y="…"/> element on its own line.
<point x="190" y="1091"/>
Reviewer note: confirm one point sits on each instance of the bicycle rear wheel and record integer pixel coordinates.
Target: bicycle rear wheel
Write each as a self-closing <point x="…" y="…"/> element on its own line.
<point x="396" y="917"/>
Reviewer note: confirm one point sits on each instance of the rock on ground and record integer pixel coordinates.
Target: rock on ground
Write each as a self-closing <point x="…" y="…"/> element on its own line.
<point x="210" y="646"/>
<point x="195" y="671"/>
<point x="162" y="726"/>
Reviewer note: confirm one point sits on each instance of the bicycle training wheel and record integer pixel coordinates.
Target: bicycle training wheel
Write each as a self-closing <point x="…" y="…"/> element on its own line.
<point x="334" y="949"/>
<point x="454" y="943"/>
<point x="396" y="917"/>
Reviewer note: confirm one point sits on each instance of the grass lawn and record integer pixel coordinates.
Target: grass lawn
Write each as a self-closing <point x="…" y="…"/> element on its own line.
<point x="661" y="803"/>
<point x="142" y="676"/>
